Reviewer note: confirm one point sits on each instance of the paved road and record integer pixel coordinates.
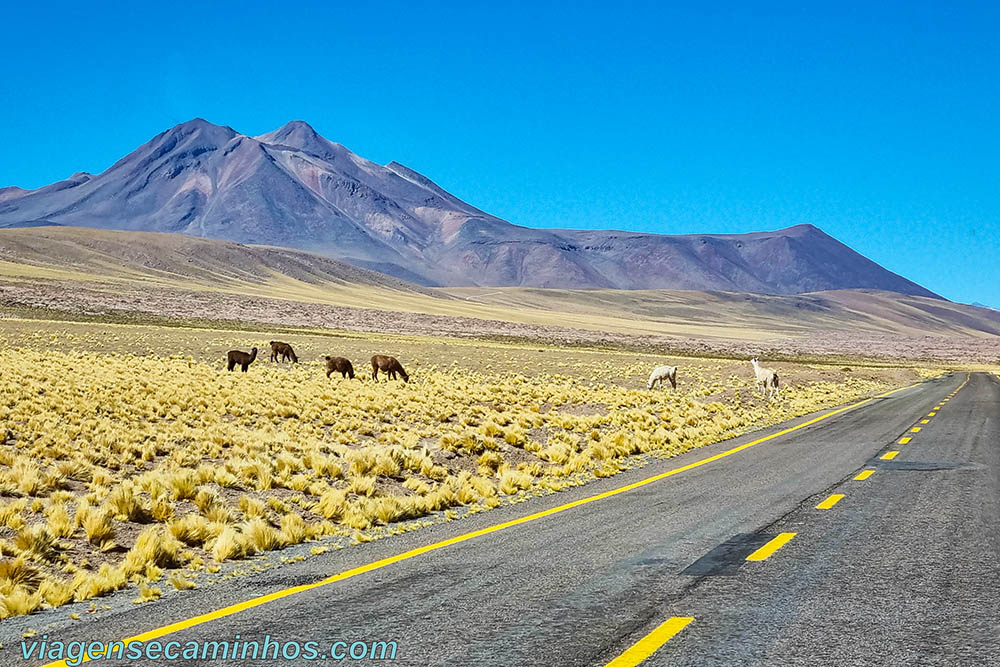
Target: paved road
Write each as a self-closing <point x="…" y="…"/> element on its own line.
<point x="903" y="570"/>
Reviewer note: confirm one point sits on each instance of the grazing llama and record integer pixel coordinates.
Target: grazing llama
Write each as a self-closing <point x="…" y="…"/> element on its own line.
<point x="767" y="379"/>
<point x="660" y="374"/>
<point x="389" y="365"/>
<point x="339" y="365"/>
<point x="284" y="350"/>
<point x="239" y="358"/>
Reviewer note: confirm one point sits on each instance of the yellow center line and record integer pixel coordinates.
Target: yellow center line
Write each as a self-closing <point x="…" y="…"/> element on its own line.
<point x="772" y="546"/>
<point x="905" y="440"/>
<point x="830" y="501"/>
<point x="888" y="456"/>
<point x="649" y="644"/>
<point x="864" y="474"/>
<point x="379" y="564"/>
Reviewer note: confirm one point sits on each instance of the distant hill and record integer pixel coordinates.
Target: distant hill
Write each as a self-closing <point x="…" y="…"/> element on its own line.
<point x="92" y="271"/>
<point x="293" y="188"/>
<point x="177" y="260"/>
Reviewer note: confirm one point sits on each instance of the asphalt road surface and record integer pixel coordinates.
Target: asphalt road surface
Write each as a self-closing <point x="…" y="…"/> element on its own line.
<point x="902" y="567"/>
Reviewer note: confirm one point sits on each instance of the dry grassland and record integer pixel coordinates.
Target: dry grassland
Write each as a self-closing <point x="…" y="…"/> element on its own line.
<point x="128" y="455"/>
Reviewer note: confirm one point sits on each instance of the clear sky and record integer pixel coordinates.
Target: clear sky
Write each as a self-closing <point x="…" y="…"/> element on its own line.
<point x="877" y="122"/>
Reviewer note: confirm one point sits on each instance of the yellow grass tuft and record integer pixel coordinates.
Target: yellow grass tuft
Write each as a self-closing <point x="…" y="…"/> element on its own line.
<point x="59" y="522"/>
<point x="230" y="545"/>
<point x="36" y="542"/>
<point x="154" y="547"/>
<point x="262" y="535"/>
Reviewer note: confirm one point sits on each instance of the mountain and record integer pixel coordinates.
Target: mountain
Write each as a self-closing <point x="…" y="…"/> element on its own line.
<point x="293" y="188"/>
<point x="100" y="271"/>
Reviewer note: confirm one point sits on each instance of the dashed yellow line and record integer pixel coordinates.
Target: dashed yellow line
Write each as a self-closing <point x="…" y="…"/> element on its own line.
<point x="652" y="642"/>
<point x="864" y="474"/>
<point x="915" y="429"/>
<point x="925" y="421"/>
<point x="831" y="500"/>
<point x="888" y="456"/>
<point x="905" y="440"/>
<point x="931" y="414"/>
<point x="772" y="546"/>
<point x="379" y="564"/>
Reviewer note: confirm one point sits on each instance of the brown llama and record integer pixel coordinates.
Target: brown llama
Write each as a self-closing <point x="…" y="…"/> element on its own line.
<point x="241" y="359"/>
<point x="339" y="365"/>
<point x="389" y="365"/>
<point x="283" y="349"/>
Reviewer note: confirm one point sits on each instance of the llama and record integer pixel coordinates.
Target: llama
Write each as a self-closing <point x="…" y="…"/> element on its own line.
<point x="283" y="349"/>
<point x="242" y="359"/>
<point x="659" y="374"/>
<point x="390" y="365"/>
<point x="767" y="379"/>
<point x="339" y="365"/>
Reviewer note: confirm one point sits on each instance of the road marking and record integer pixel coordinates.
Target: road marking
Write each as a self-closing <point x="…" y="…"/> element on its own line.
<point x="905" y="440"/>
<point x="864" y="474"/>
<point x="888" y="456"/>
<point x="772" y="546"/>
<point x="925" y="421"/>
<point x="406" y="555"/>
<point x="830" y="501"/>
<point x="915" y="429"/>
<point x="937" y="407"/>
<point x="931" y="414"/>
<point x="649" y="644"/>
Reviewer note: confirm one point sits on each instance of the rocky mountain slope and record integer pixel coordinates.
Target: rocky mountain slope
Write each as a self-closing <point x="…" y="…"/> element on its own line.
<point x="293" y="188"/>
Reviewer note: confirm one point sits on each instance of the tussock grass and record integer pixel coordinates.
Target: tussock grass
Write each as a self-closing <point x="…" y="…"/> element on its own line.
<point x="188" y="466"/>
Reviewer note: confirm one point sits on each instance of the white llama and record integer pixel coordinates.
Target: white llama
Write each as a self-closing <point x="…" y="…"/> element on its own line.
<point x="661" y="373"/>
<point x="767" y="379"/>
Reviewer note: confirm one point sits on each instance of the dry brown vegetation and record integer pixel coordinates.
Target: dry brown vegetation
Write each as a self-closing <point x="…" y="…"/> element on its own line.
<point x="129" y="455"/>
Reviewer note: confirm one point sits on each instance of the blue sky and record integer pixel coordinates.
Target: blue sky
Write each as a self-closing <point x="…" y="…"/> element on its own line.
<point x="877" y="124"/>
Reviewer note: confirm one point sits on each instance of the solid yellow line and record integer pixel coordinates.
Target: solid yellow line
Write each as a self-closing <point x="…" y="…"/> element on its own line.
<point x="772" y="546"/>
<point x="904" y="440"/>
<point x="649" y="644"/>
<point x="864" y="474"/>
<point x="888" y="456"/>
<point x="376" y="565"/>
<point x="830" y="502"/>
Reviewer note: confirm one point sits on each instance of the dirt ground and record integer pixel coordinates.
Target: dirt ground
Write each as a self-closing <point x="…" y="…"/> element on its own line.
<point x="218" y="309"/>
